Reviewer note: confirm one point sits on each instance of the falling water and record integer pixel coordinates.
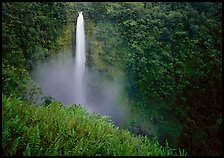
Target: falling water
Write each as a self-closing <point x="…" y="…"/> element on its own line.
<point x="69" y="81"/>
<point x="80" y="60"/>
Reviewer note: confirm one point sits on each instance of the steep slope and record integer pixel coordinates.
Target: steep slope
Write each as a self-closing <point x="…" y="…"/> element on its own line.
<point x="56" y="130"/>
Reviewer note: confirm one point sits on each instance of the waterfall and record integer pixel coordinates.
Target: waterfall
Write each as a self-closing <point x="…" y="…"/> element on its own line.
<point x="80" y="60"/>
<point x="67" y="79"/>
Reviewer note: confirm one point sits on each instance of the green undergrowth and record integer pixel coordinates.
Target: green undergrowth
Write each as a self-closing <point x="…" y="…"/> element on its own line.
<point x="57" y="130"/>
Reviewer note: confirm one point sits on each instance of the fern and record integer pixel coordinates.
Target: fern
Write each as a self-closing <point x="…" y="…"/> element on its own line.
<point x="50" y="149"/>
<point x="54" y="152"/>
<point x="74" y="134"/>
<point x="35" y="140"/>
<point x="27" y="151"/>
<point x="40" y="152"/>
<point x="14" y="146"/>
<point x="5" y="134"/>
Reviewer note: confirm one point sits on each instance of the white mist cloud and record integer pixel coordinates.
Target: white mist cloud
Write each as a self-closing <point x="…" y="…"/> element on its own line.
<point x="56" y="78"/>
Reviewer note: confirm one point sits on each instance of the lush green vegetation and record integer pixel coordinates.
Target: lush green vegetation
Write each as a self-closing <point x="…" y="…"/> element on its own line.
<point x="54" y="130"/>
<point x="29" y="34"/>
<point x="169" y="53"/>
<point x="172" y="55"/>
<point x="33" y="32"/>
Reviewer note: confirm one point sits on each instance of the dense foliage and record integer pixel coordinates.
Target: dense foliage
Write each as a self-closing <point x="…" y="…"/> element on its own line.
<point x="172" y="53"/>
<point x="29" y="34"/>
<point x="55" y="130"/>
<point x="32" y="32"/>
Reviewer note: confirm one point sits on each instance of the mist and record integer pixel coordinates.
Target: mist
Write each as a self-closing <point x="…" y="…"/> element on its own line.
<point x="56" y="77"/>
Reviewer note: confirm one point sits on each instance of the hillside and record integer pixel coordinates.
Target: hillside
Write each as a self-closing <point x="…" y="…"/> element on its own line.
<point x="54" y="130"/>
<point x="151" y="80"/>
